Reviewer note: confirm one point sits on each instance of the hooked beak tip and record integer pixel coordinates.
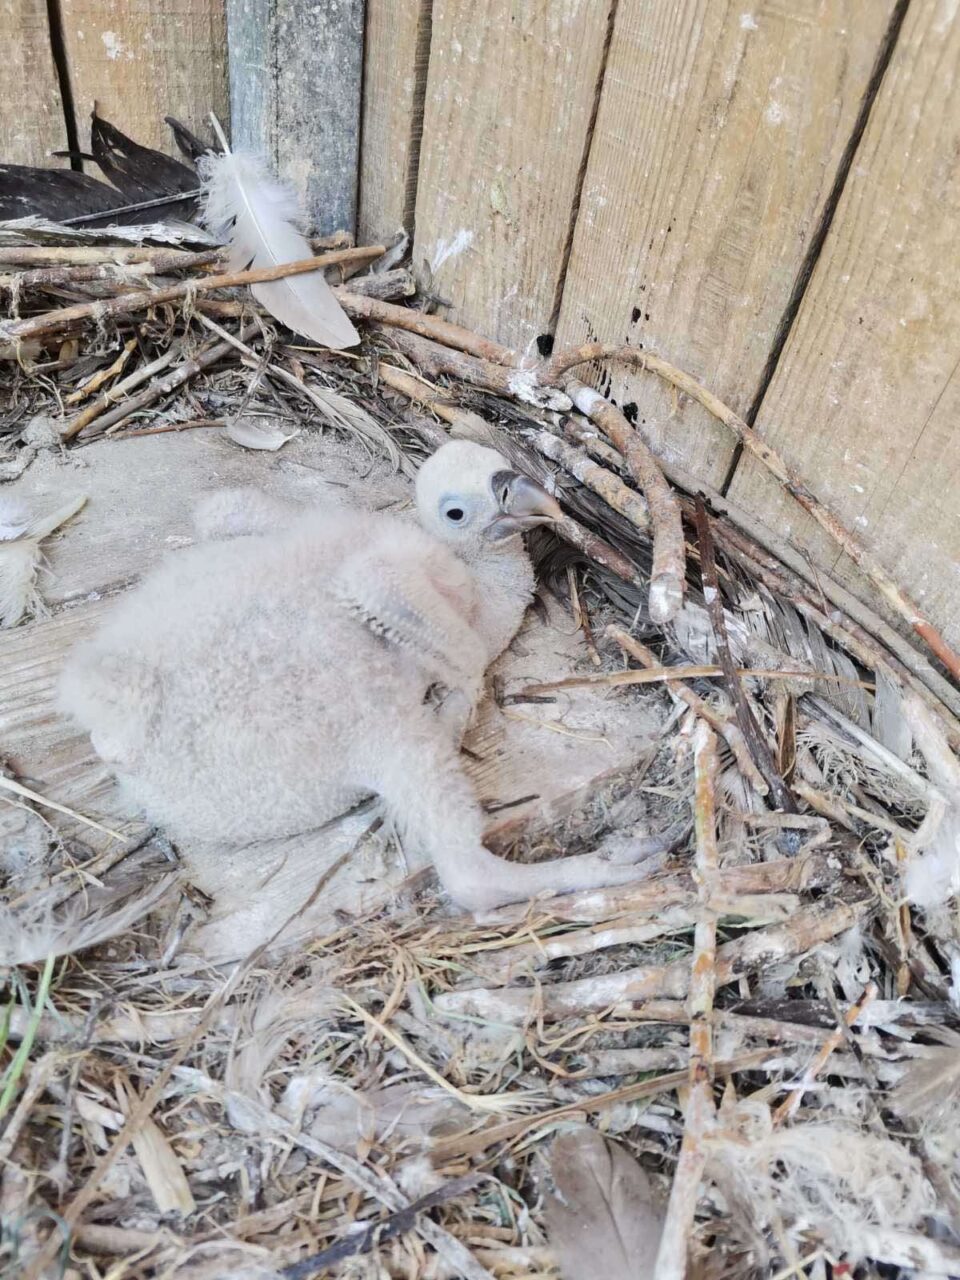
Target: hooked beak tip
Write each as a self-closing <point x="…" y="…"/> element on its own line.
<point x="523" y="503"/>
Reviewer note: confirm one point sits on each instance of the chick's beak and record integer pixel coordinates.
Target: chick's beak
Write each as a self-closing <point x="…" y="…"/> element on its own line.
<point x="523" y="504"/>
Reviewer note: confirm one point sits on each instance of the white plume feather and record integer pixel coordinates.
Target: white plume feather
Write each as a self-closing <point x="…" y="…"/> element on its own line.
<point x="247" y="206"/>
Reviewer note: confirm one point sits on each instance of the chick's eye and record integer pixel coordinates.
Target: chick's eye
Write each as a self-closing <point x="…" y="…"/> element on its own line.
<point x="454" y="514"/>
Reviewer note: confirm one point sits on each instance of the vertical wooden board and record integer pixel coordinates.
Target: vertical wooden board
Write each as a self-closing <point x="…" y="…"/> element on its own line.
<point x="510" y="93"/>
<point x="866" y="399"/>
<point x="719" y="133"/>
<point x="143" y="60"/>
<point x="296" y="68"/>
<point x="31" y="112"/>
<point x="395" y="57"/>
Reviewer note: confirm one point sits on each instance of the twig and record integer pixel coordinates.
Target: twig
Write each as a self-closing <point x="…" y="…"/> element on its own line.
<point x="581" y="617"/>
<point x="668" y="574"/>
<point x="117" y="392"/>
<point x="102" y="375"/>
<point x="759" y="751"/>
<point x="471" y="1144"/>
<point x="627" y="987"/>
<point x="602" y="482"/>
<point x="209" y="354"/>
<point x="729" y="731"/>
<point x="159" y="264"/>
<point x="18" y="789"/>
<point x="394" y="1224"/>
<point x="671" y="1261"/>
<point x="563" y="361"/>
<point x="790" y="1104"/>
<point x="442" y="331"/>
<point x="667" y="675"/>
<point x="125" y="303"/>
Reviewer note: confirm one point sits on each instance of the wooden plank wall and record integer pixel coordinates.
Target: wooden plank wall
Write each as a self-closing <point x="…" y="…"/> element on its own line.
<point x="140" y="62"/>
<point x="717" y="143"/>
<point x="511" y="90"/>
<point x="295" y="79"/>
<point x="865" y="402"/>
<point x="31" y="113"/>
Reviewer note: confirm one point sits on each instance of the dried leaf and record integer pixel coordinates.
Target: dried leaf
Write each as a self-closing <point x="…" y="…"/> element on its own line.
<point x="249" y="433"/>
<point x="604" y="1220"/>
<point x="161" y="1168"/>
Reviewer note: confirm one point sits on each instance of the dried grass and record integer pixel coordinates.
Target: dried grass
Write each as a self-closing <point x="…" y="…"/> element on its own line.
<point x="276" y="1107"/>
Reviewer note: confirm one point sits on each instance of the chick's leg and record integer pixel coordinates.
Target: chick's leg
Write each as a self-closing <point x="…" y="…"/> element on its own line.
<point x="433" y="804"/>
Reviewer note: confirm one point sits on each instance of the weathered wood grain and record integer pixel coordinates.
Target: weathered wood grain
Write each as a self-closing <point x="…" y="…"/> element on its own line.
<point x="396" y="53"/>
<point x="866" y="398"/>
<point x="31" y="112"/>
<point x="142" y="61"/>
<point x="295" y="75"/>
<point x="718" y="137"/>
<point x="510" y="93"/>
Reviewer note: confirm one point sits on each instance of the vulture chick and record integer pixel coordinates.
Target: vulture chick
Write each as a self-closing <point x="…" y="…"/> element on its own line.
<point x="263" y="682"/>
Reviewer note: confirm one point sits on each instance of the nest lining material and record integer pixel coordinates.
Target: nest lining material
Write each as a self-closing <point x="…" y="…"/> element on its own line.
<point x="183" y="1119"/>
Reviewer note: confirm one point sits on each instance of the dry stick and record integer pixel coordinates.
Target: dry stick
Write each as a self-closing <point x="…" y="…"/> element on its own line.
<point x="593" y="547"/>
<point x="671" y="1261"/>
<point x="577" y="432"/>
<point x="418" y="322"/>
<point x="729" y="731"/>
<point x="124" y="303"/>
<point x="581" y="617"/>
<point x="115" y="393"/>
<point x="762" y="756"/>
<point x="560" y="363"/>
<point x="95" y="382"/>
<point x="206" y="357"/>
<point x="789" y="1105"/>
<point x="668" y="574"/>
<point x="41" y="255"/>
<point x="602" y="482"/>
<point x="666" y="675"/>
<point x="465" y="1145"/>
<point x="396" y="1224"/>
<point x="160" y="264"/>
<point x="754" y="950"/>
<point x="385" y="284"/>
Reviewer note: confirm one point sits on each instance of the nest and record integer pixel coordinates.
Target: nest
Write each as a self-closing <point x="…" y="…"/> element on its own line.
<point x="767" y="1023"/>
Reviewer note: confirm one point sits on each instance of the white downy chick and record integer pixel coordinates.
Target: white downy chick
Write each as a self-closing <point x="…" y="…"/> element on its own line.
<point x="259" y="686"/>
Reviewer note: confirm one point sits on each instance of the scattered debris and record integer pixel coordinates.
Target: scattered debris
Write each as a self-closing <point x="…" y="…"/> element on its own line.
<point x="764" y="1030"/>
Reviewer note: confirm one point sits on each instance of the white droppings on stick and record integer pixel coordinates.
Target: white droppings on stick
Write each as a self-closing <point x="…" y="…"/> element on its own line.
<point x="586" y="400"/>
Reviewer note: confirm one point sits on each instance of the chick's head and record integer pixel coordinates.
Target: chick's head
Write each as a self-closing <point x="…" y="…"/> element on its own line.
<point x="469" y="497"/>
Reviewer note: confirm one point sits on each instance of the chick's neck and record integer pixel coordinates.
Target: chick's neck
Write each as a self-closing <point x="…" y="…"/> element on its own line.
<point x="505" y="580"/>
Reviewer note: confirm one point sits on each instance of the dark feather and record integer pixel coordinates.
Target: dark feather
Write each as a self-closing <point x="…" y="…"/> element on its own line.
<point x="188" y="143"/>
<point x="140" y="173"/>
<point x="141" y="176"/>
<point x="55" y="194"/>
